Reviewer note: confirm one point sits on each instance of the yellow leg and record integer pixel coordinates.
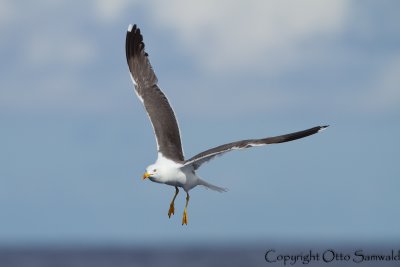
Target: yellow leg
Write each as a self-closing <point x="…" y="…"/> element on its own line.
<point x="184" y="218"/>
<point x="171" y="206"/>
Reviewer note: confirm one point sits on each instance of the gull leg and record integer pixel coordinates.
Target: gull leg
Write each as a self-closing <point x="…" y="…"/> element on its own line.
<point x="184" y="218"/>
<point x="171" y="206"/>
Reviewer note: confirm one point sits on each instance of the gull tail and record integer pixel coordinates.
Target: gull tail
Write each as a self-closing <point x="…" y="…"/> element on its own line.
<point x="211" y="186"/>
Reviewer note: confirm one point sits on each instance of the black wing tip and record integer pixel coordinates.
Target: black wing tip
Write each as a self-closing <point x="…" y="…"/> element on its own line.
<point x="134" y="44"/>
<point x="321" y="128"/>
<point x="134" y="34"/>
<point x="131" y="27"/>
<point x="134" y="31"/>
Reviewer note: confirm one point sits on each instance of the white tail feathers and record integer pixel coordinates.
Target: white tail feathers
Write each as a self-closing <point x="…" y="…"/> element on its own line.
<point x="211" y="186"/>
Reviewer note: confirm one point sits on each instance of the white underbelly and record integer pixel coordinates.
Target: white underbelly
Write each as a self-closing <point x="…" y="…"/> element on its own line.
<point x="185" y="180"/>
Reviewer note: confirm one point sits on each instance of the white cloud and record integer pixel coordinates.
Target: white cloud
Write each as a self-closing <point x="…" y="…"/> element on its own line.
<point x="384" y="91"/>
<point x="249" y="37"/>
<point x="7" y="12"/>
<point x="48" y="35"/>
<point x="59" y="47"/>
<point x="109" y="11"/>
<point x="47" y="48"/>
<point x="241" y="34"/>
<point x="222" y="38"/>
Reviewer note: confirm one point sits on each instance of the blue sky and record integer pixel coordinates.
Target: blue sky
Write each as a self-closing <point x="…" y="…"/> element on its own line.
<point x="75" y="140"/>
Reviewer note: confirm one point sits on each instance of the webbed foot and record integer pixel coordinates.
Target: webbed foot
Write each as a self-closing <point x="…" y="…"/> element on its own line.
<point x="171" y="209"/>
<point x="184" y="218"/>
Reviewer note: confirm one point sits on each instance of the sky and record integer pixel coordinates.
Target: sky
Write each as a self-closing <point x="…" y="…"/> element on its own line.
<point x="75" y="140"/>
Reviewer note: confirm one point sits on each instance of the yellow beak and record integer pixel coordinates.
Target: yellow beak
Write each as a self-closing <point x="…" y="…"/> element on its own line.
<point x="145" y="175"/>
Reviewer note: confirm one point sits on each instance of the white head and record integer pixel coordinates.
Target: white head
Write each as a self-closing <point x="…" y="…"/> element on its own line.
<point x="153" y="172"/>
<point x="163" y="170"/>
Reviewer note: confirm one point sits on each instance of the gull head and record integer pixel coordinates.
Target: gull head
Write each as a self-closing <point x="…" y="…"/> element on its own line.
<point x="163" y="171"/>
<point x="153" y="172"/>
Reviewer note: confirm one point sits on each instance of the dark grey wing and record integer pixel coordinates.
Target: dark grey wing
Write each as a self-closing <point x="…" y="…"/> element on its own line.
<point x="207" y="155"/>
<point x="155" y="102"/>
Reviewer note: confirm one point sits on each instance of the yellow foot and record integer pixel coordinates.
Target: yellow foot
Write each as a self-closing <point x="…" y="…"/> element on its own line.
<point x="184" y="218"/>
<point x="171" y="210"/>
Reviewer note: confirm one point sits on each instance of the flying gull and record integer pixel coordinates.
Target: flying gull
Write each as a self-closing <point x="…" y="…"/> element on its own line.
<point x="171" y="168"/>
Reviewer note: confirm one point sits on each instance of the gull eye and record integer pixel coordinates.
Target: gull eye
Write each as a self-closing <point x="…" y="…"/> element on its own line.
<point x="155" y="170"/>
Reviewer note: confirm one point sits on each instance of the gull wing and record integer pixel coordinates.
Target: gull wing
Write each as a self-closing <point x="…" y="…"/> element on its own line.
<point x="160" y="112"/>
<point x="207" y="155"/>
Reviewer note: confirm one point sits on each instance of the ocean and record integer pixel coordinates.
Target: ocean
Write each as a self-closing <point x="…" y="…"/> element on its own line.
<point x="232" y="256"/>
<point x="124" y="257"/>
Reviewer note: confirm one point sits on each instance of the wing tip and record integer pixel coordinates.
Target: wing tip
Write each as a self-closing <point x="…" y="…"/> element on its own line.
<point x="131" y="27"/>
<point x="322" y="128"/>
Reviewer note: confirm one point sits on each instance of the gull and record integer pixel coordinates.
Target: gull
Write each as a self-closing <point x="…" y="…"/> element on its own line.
<point x="171" y="168"/>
